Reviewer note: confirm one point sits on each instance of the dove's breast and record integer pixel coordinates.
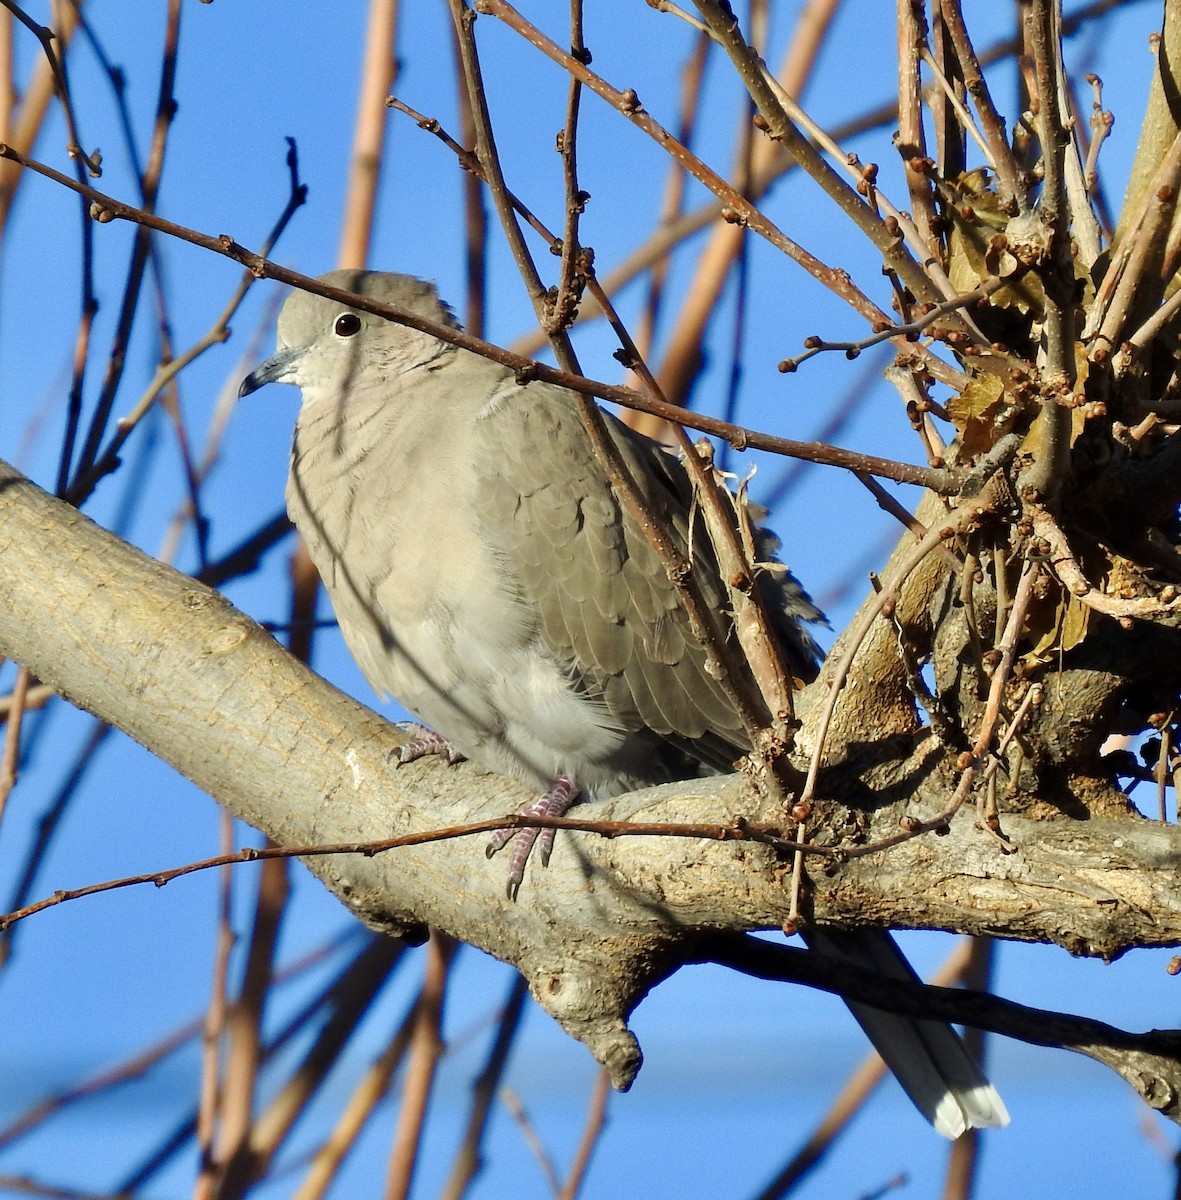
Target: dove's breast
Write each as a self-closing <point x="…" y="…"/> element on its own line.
<point x="429" y="607"/>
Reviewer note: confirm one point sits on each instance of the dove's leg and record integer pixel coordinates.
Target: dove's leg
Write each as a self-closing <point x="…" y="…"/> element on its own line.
<point x="426" y="741"/>
<point x="562" y="794"/>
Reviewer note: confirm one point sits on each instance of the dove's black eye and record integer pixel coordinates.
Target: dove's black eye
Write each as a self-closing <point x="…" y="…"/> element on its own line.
<point x="347" y="325"/>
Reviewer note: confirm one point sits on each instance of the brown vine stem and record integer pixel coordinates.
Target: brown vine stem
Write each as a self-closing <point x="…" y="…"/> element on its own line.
<point x="958" y="107"/>
<point x="1058" y="280"/>
<point x="628" y="103"/>
<point x="944" y="481"/>
<point x="1008" y="648"/>
<point x="28" y="116"/>
<point x="743" y="831"/>
<point x="955" y="522"/>
<point x="1001" y="153"/>
<point x="705" y="624"/>
<point x="657" y="297"/>
<point x="1072" y="577"/>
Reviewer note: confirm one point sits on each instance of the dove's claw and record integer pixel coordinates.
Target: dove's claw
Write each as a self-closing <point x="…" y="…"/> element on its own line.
<point x="425" y="741"/>
<point x="562" y="794"/>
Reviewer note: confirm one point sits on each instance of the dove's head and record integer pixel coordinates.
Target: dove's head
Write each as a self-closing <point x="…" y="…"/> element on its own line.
<point x="325" y="345"/>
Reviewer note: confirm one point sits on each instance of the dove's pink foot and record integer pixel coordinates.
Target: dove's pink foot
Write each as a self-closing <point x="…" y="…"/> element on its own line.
<point x="556" y="802"/>
<point x="426" y="741"/>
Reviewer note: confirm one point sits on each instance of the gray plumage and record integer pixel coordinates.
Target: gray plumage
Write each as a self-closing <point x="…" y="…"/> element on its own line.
<point x="480" y="565"/>
<point x="485" y="574"/>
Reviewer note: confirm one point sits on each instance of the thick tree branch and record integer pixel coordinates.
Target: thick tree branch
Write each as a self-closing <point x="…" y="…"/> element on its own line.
<point x="202" y="686"/>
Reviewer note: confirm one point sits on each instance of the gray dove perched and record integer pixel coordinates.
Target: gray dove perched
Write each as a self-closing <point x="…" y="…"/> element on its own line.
<point x="484" y="573"/>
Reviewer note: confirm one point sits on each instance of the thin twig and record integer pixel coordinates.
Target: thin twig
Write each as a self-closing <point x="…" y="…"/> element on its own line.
<point x="1003" y="160"/>
<point x="209" y="1092"/>
<point x="468" y="1159"/>
<point x="10" y="759"/>
<point x="596" y="1122"/>
<point x="426" y="1046"/>
<point x="570" y="272"/>
<point x="944" y="481"/>
<point x="911" y="143"/>
<point x="379" y="70"/>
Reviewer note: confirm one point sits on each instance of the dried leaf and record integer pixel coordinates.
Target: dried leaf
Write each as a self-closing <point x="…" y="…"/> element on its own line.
<point x="974" y="412"/>
<point x="975" y="253"/>
<point x="1057" y="625"/>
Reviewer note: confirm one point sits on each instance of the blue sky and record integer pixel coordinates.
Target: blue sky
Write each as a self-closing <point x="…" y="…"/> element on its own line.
<point x="735" y="1070"/>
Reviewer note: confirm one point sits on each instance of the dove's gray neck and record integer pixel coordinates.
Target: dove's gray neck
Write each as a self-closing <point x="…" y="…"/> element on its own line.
<point x="386" y="426"/>
<point x="344" y="420"/>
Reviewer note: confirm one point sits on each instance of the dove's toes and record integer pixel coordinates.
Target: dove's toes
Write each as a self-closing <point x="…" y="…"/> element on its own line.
<point x="562" y="794"/>
<point x="499" y="840"/>
<point x="522" y="848"/>
<point x="426" y="741"/>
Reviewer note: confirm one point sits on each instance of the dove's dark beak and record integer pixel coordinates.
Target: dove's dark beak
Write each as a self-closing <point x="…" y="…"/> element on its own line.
<point x="279" y="368"/>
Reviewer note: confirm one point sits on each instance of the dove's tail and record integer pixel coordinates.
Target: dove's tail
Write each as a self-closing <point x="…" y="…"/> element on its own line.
<point x="929" y="1059"/>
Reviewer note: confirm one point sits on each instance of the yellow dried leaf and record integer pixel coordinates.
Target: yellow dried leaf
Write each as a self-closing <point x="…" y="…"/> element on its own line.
<point x="974" y="411"/>
<point x="1057" y="625"/>
<point x="977" y="217"/>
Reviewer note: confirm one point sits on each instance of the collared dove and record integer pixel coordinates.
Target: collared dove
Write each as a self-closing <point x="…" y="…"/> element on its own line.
<point x="485" y="574"/>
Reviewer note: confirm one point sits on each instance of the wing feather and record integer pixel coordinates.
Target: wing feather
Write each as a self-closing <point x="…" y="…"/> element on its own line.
<point x="606" y="605"/>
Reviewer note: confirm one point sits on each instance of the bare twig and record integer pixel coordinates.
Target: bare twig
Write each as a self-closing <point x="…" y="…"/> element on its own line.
<point x="10" y="759"/>
<point x="836" y="674"/>
<point x="596" y="1122"/>
<point x="911" y="136"/>
<point x="426" y="1045"/>
<point x="1001" y="153"/>
<point x="484" y="1089"/>
<point x="209" y="1092"/>
<point x="571" y="270"/>
<point x="378" y="73"/>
